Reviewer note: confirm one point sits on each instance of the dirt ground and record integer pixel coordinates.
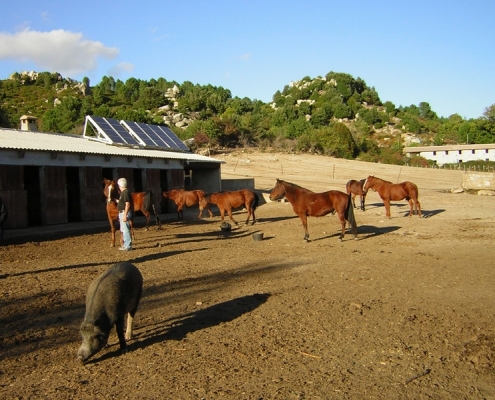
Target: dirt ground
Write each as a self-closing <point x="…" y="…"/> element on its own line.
<point x="404" y="312"/>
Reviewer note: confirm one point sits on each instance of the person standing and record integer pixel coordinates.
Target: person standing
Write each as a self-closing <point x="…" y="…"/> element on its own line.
<point x="3" y="217"/>
<point x="126" y="210"/>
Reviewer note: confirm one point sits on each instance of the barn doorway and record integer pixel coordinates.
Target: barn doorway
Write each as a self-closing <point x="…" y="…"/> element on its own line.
<point x="163" y="188"/>
<point x="32" y="185"/>
<point x="73" y="185"/>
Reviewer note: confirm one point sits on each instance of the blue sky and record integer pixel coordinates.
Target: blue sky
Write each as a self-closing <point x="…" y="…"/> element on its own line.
<point x="440" y="52"/>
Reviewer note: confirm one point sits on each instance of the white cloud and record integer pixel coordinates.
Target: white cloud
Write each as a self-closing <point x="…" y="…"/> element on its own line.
<point x="118" y="69"/>
<point x="245" y="57"/>
<point x="62" y="51"/>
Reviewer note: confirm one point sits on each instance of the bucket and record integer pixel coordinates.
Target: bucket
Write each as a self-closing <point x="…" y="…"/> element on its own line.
<point x="257" y="236"/>
<point x="225" y="227"/>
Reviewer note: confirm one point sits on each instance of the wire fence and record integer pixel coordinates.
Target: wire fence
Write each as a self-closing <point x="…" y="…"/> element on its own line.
<point x="458" y="167"/>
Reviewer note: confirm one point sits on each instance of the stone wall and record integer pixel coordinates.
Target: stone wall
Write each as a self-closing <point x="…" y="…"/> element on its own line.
<point x="478" y="181"/>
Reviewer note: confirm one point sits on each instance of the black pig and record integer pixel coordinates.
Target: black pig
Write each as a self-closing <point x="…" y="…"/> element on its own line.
<point x="110" y="297"/>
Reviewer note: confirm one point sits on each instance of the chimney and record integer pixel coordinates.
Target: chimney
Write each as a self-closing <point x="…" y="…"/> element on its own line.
<point x="28" y="123"/>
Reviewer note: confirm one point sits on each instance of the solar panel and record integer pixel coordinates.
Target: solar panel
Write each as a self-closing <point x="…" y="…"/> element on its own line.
<point x="155" y="135"/>
<point x="109" y="130"/>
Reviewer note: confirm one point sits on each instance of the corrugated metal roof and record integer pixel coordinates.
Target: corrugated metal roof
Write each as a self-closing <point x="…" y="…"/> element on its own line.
<point x="453" y="147"/>
<point x="40" y="141"/>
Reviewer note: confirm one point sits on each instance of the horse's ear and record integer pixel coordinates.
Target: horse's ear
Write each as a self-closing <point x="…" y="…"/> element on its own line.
<point x="277" y="180"/>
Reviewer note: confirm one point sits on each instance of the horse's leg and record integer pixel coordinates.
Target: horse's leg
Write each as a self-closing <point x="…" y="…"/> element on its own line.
<point x="132" y="233"/>
<point x="353" y="200"/>
<point x="147" y="216"/>
<point x="209" y="211"/>
<point x="157" y="218"/>
<point x="112" y="230"/>
<point x="304" y="220"/>
<point x="229" y="211"/>
<point x="386" y="203"/>
<point x="341" y="214"/>
<point x="248" y="209"/>
<point x="180" y="213"/>
<point x="418" y="207"/>
<point x="254" y="217"/>
<point x="411" y="207"/>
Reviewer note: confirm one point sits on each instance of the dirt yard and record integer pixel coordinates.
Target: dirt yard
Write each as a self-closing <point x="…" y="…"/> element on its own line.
<point x="404" y="312"/>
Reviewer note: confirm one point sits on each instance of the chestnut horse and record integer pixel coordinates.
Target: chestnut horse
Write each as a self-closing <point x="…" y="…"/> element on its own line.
<point x="142" y="202"/>
<point x="112" y="195"/>
<point x="184" y="198"/>
<point x="227" y="200"/>
<point x="307" y="203"/>
<point x="394" y="191"/>
<point x="356" y="188"/>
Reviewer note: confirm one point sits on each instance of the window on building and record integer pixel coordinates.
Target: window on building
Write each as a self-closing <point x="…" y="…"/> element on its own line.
<point x="434" y="153"/>
<point x="486" y="151"/>
<point x="472" y="151"/>
<point x="460" y="151"/>
<point x="446" y="152"/>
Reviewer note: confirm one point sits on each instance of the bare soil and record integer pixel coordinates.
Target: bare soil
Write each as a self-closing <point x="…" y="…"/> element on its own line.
<point x="405" y="312"/>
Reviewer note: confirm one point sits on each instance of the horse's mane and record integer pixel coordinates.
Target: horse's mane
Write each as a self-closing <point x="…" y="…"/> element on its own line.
<point x="382" y="180"/>
<point x="296" y="186"/>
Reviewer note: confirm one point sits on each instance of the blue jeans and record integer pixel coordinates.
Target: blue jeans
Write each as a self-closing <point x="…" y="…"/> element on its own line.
<point x="125" y="228"/>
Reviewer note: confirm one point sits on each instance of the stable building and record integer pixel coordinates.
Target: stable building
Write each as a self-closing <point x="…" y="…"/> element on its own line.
<point x="453" y="154"/>
<point x="48" y="178"/>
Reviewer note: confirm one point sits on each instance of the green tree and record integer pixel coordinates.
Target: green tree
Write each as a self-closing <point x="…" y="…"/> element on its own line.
<point x="64" y="117"/>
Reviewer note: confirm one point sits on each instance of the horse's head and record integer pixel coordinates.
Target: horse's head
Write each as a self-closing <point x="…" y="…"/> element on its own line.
<point x="278" y="191"/>
<point x="203" y="201"/>
<point x="170" y="194"/>
<point x="369" y="183"/>
<point x="110" y="190"/>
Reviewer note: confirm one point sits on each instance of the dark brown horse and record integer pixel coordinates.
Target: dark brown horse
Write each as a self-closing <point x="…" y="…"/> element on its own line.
<point x="112" y="195"/>
<point x="184" y="198"/>
<point x="355" y="188"/>
<point x="227" y="200"/>
<point x="305" y="202"/>
<point x="143" y="201"/>
<point x="394" y="191"/>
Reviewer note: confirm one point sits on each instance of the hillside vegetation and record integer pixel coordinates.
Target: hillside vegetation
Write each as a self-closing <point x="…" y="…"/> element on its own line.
<point x="336" y="115"/>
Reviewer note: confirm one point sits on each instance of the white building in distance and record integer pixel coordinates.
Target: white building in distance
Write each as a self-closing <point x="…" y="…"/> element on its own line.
<point x="453" y="154"/>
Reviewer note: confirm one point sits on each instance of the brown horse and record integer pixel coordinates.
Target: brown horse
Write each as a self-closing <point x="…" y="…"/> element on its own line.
<point x="394" y="191"/>
<point x="305" y="202"/>
<point x="111" y="193"/>
<point x="184" y="198"/>
<point x="356" y="188"/>
<point x="143" y="201"/>
<point x="227" y="200"/>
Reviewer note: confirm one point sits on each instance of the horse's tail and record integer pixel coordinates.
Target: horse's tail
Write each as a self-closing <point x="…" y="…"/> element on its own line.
<point x="349" y="215"/>
<point x="148" y="196"/>
<point x="255" y="202"/>
<point x="149" y="206"/>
